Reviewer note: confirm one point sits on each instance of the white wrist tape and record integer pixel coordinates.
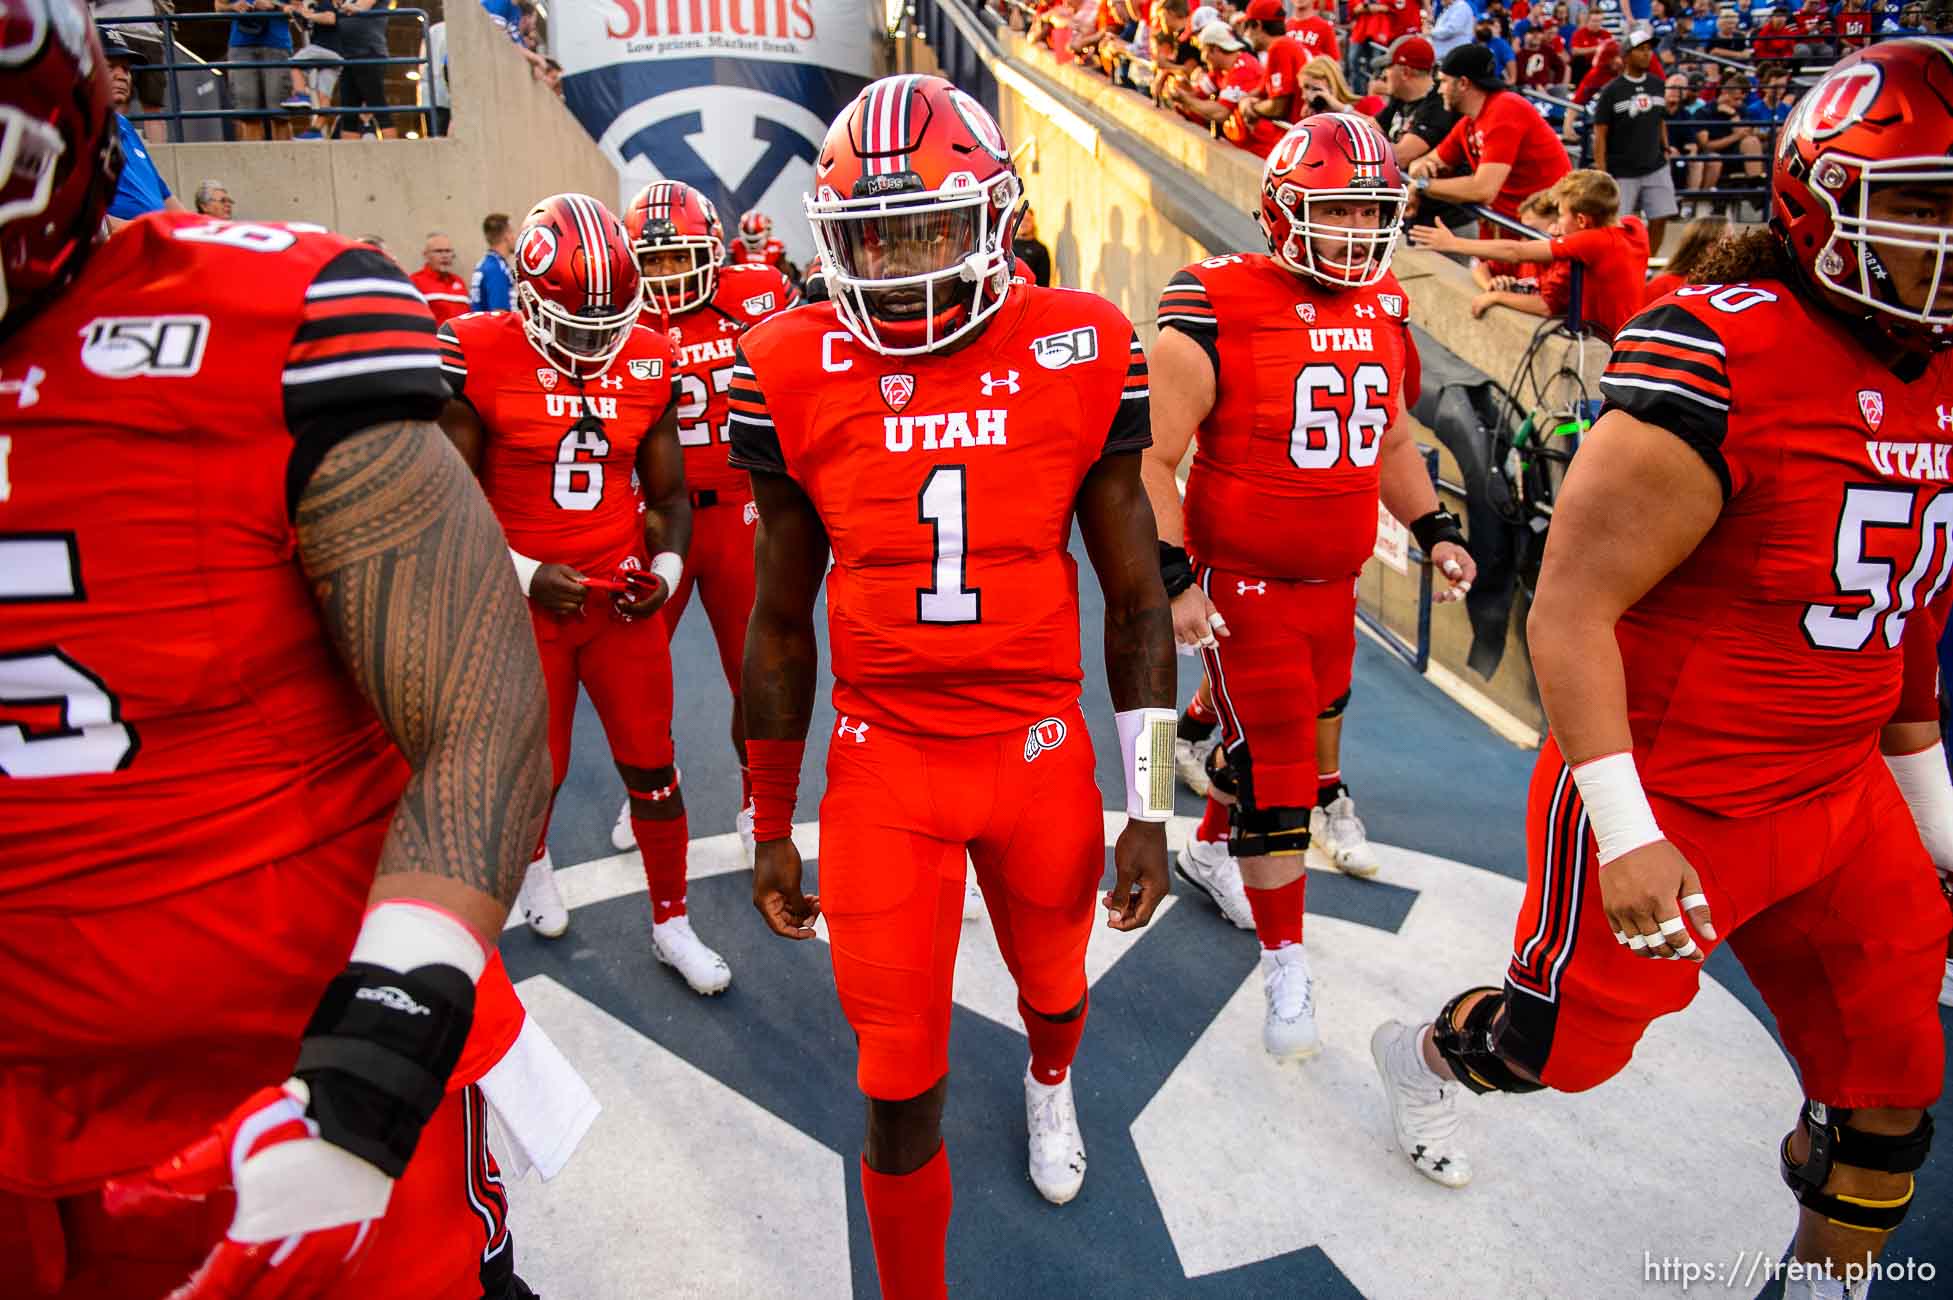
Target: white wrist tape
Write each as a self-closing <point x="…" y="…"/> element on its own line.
<point x="525" y="569"/>
<point x="402" y="934"/>
<point x="1146" y="744"/>
<point x="1617" y="807"/>
<point x="1922" y="779"/>
<point x="670" y="566"/>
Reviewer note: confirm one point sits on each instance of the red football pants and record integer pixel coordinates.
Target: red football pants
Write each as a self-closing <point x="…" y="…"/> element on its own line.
<point x="1288" y="655"/>
<point x="1831" y="905"/>
<point x="900" y="813"/>
<point x="626" y="667"/>
<point x="720" y="567"/>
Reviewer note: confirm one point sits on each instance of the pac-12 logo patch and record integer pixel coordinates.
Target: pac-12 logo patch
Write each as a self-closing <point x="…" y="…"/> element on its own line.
<point x="1047" y="733"/>
<point x="897" y="390"/>
<point x="1071" y="348"/>
<point x="1871" y="405"/>
<point x="546" y="376"/>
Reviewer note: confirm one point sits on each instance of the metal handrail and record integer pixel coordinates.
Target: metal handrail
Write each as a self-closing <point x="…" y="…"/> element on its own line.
<point x="175" y="115"/>
<point x="1576" y="280"/>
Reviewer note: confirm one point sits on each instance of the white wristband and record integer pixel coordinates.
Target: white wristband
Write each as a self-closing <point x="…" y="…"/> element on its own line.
<point x="670" y="566"/>
<point x="1617" y="807"/>
<point x="1146" y="746"/>
<point x="403" y="933"/>
<point x="1922" y="779"/>
<point x="525" y="569"/>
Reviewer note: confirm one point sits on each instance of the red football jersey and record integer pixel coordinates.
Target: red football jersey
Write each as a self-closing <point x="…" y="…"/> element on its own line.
<point x="946" y="483"/>
<point x="1762" y="668"/>
<point x="174" y="723"/>
<point x="1284" y="476"/>
<point x="773" y="253"/>
<point x="558" y="453"/>
<point x="704" y="342"/>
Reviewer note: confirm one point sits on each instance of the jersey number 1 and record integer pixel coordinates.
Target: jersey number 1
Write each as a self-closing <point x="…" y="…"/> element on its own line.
<point x="84" y="734"/>
<point x="944" y="505"/>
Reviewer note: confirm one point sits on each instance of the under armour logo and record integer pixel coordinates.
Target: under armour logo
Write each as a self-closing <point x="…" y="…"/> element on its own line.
<point x="857" y="733"/>
<point x="28" y="391"/>
<point x="1365" y="309"/>
<point x="1945" y="413"/>
<point x="1008" y="383"/>
<point x="1243" y="587"/>
<point x="610" y="381"/>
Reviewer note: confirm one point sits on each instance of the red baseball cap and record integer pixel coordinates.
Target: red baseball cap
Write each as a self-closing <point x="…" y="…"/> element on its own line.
<point x="1262" y="11"/>
<point x="1412" y="51"/>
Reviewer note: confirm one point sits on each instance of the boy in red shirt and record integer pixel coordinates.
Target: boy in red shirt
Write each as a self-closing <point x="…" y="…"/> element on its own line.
<point x="1613" y="253"/>
<point x="1313" y="30"/>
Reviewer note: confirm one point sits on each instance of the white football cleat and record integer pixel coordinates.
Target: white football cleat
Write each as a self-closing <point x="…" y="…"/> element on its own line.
<point x="1190" y="762"/>
<point x="1337" y="839"/>
<point x="972" y="900"/>
<point x="1210" y="868"/>
<point x="1057" y="1147"/>
<point x="540" y="901"/>
<point x="743" y="823"/>
<point x="622" y="837"/>
<point x="1423" y="1107"/>
<point x="1288" y="1031"/>
<point x="681" y="949"/>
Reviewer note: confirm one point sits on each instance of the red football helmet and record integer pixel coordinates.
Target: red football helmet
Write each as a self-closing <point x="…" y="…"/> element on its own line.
<point x="914" y="202"/>
<point x="755" y="228"/>
<point x="1878" y="124"/>
<point x="668" y="216"/>
<point x="576" y="283"/>
<point x="59" y="156"/>
<point x="1332" y="158"/>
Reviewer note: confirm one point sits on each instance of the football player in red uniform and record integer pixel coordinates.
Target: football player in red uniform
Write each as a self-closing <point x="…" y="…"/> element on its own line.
<point x="756" y="245"/>
<point x="271" y="748"/>
<point x="556" y="405"/>
<point x="939" y="426"/>
<point x="1293" y="367"/>
<point x="704" y="308"/>
<point x="1733" y="639"/>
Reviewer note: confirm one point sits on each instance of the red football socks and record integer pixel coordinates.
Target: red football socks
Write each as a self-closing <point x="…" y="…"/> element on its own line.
<point x="908" y="1220"/>
<point x="1213" y="822"/>
<point x="663" y="845"/>
<point x="1278" y="913"/>
<point x="1053" y="1042"/>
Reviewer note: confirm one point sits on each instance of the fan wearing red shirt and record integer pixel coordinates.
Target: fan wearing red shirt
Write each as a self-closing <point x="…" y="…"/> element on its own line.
<point x="1505" y="150"/>
<point x="1260" y="121"/>
<point x="1234" y="72"/>
<point x="1613" y="252"/>
<point x="1313" y="30"/>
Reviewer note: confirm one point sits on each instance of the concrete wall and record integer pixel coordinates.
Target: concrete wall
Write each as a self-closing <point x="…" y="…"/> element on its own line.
<point x="511" y="142"/>
<point x="1126" y="195"/>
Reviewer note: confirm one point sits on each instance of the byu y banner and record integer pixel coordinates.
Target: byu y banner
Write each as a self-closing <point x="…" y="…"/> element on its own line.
<point x="731" y="96"/>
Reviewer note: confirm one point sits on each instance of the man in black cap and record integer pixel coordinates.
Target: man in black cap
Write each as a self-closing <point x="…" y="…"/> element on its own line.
<point x="1499" y="152"/>
<point x="141" y="188"/>
<point x="1630" y="142"/>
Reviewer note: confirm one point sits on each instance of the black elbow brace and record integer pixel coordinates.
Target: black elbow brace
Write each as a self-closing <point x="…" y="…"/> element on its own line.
<point x="1438" y="526"/>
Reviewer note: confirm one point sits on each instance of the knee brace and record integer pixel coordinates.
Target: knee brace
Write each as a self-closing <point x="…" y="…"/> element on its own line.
<point x="1470" y="1050"/>
<point x="1834" y="1142"/>
<point x="1335" y="709"/>
<point x="1266" y="832"/>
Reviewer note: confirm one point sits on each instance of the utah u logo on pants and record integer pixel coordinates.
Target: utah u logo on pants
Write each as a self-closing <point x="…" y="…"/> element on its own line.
<point x="1048" y="733"/>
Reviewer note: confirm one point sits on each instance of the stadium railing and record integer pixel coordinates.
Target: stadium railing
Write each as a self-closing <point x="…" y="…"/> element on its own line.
<point x="176" y="59"/>
<point x="1576" y="275"/>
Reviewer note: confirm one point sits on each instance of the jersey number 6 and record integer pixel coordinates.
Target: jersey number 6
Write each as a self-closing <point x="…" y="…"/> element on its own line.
<point x="84" y="734"/>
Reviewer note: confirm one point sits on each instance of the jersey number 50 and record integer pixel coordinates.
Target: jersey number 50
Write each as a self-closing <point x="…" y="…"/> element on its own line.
<point x="1868" y="506"/>
<point x="1321" y="436"/>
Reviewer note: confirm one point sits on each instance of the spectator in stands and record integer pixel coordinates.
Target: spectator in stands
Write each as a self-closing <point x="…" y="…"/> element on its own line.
<point x="1324" y="90"/>
<point x="1416" y="119"/>
<point x="1855" y="23"/>
<point x="1630" y="142"/>
<point x="1699" y="239"/>
<point x="505" y="15"/>
<point x="490" y="288"/>
<point x="1678" y="110"/>
<point x="1502" y="56"/>
<point x="1539" y="212"/>
<point x="1701" y="23"/>
<point x="1540" y="66"/>
<point x="1232" y="72"/>
<point x="1613" y="254"/>
<point x="1026" y="246"/>
<point x="1169" y="29"/>
<point x="1729" y="40"/>
<point x="260" y="34"/>
<point x="1725" y="132"/>
<point x="1585" y="46"/>
<point x="1773" y="38"/>
<point x="363" y="35"/>
<point x="141" y="188"/>
<point x="1451" y="25"/>
<point x="213" y="200"/>
<point x="146" y="40"/>
<point x="1283" y="58"/>
<point x="1503" y="148"/>
<point x="1661" y="21"/>
<point x="447" y="296"/>
<point x="1315" y="32"/>
<point x="319" y="21"/>
<point x="1372" y="26"/>
<point x="1769" y="102"/>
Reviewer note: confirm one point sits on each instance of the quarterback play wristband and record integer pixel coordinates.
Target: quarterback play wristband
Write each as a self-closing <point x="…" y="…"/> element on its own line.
<point x="670" y="566"/>
<point x="1922" y="779"/>
<point x="1146" y="746"/>
<point x="525" y="569"/>
<point x="1617" y="807"/>
<point x="774" y="768"/>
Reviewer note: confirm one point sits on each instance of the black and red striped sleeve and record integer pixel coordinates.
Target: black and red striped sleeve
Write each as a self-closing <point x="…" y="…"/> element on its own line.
<point x="1185" y="306"/>
<point x="755" y="442"/>
<point x="454" y="361"/>
<point x="1132" y="423"/>
<point x="1670" y="369"/>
